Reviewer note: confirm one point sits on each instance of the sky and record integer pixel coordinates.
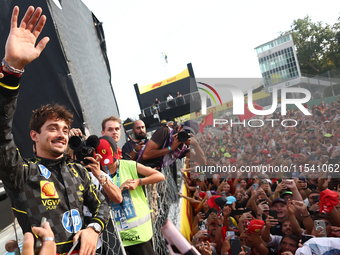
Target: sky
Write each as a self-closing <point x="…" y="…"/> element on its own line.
<point x="217" y="37"/>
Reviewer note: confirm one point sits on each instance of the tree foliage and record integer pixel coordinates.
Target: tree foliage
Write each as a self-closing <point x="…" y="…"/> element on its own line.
<point x="317" y="45"/>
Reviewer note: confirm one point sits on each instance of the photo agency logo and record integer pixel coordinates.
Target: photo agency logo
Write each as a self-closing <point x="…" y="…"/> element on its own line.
<point x="245" y="106"/>
<point x="204" y="101"/>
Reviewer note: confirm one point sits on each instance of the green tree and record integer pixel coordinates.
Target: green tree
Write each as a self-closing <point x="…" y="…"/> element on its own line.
<point x="317" y="45"/>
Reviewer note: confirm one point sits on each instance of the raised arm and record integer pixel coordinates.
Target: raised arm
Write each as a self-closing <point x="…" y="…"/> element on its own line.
<point x="21" y="48"/>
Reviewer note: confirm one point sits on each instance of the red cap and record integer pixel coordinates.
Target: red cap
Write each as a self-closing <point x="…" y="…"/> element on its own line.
<point x="295" y="156"/>
<point x="233" y="150"/>
<point x="256" y="162"/>
<point x="255" y="226"/>
<point x="108" y="150"/>
<point x="202" y="194"/>
<point x="231" y="160"/>
<point x="265" y="152"/>
<point x="248" y="135"/>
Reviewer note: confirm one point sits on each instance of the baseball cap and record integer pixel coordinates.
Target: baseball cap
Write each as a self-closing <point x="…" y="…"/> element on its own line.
<point x="227" y="155"/>
<point x="230" y="200"/>
<point x="108" y="150"/>
<point x="286" y="193"/>
<point x="265" y="152"/>
<point x="202" y="194"/>
<point x="191" y="125"/>
<point x="327" y="135"/>
<point x="255" y="226"/>
<point x="232" y="160"/>
<point x="279" y="200"/>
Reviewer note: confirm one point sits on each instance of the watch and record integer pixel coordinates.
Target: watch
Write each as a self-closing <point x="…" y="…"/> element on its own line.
<point x="96" y="227"/>
<point x="101" y="176"/>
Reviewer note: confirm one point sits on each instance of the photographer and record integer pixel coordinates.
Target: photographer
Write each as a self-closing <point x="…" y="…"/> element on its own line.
<point x="165" y="146"/>
<point x="48" y="185"/>
<point x="132" y="148"/>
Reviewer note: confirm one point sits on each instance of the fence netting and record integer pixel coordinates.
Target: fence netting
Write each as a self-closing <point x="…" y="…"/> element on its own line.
<point x="163" y="202"/>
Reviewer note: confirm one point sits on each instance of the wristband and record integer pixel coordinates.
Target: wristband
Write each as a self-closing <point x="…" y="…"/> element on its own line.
<point x="140" y="182"/>
<point x="305" y="216"/>
<point x="12" y="69"/>
<point x="169" y="149"/>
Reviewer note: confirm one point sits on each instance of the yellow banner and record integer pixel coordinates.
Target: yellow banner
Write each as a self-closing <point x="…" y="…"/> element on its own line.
<point x="180" y="76"/>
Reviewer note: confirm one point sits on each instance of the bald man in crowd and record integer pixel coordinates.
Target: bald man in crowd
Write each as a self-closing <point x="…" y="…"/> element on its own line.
<point x="132" y="148"/>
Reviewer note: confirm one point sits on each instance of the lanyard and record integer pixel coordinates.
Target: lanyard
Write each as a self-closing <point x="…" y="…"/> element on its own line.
<point x="107" y="170"/>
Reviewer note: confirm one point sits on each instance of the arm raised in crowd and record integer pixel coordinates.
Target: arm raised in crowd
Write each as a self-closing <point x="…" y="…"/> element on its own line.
<point x="21" y="48"/>
<point x="152" y="149"/>
<point x="307" y="221"/>
<point x="292" y="219"/>
<point x="270" y="222"/>
<point x="197" y="154"/>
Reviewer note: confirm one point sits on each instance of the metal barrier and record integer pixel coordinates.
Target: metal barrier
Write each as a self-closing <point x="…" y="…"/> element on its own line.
<point x="163" y="199"/>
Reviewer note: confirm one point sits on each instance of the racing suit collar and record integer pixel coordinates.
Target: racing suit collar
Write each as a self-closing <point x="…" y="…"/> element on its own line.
<point x="50" y="161"/>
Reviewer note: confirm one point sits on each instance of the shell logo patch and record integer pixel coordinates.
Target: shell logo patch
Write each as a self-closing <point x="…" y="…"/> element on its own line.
<point x="48" y="190"/>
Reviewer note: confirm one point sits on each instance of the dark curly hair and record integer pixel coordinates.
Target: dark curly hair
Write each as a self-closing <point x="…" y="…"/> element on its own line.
<point x="49" y="111"/>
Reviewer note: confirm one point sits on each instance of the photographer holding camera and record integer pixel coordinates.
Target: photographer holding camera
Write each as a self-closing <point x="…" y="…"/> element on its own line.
<point x="132" y="148"/>
<point x="165" y="146"/>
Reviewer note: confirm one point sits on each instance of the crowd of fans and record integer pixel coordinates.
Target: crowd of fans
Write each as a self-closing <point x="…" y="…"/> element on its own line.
<point x="257" y="211"/>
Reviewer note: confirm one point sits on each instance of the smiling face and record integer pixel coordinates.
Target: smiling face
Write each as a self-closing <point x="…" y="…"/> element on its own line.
<point x="243" y="184"/>
<point x="281" y="209"/>
<point x="226" y="188"/>
<point x="286" y="228"/>
<point x="52" y="140"/>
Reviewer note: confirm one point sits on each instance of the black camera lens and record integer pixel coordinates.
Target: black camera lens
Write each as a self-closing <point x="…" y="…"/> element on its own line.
<point x="183" y="136"/>
<point x="76" y="143"/>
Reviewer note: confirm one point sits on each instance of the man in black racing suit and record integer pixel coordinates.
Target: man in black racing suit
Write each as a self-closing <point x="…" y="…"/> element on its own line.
<point x="48" y="185"/>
